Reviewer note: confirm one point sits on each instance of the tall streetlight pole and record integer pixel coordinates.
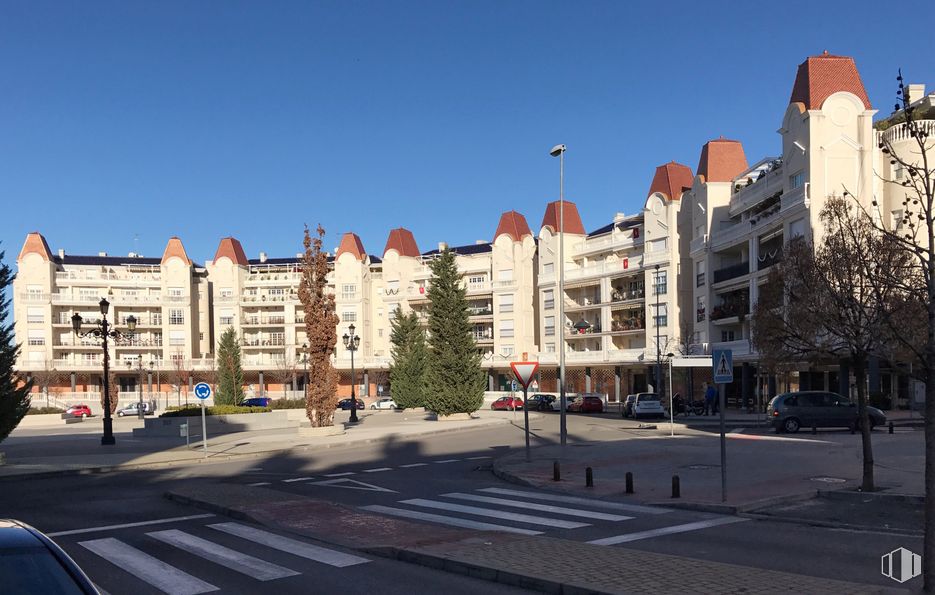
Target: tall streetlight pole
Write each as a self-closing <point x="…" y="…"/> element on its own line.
<point x="351" y="343"/>
<point x="102" y="331"/>
<point x="658" y="386"/>
<point x="559" y="151"/>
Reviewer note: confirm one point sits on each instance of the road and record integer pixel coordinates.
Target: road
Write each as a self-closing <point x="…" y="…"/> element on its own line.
<point x="443" y="479"/>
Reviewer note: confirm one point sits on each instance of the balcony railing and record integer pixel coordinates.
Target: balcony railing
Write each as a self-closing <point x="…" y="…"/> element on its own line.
<point x="624" y="295"/>
<point x="33" y="297"/>
<point x="749" y="195"/>
<point x="899" y="132"/>
<point x="627" y="324"/>
<point x="731" y="272"/>
<point x="769" y="259"/>
<point x="729" y="310"/>
<point x="698" y="243"/>
<point x="94" y="275"/>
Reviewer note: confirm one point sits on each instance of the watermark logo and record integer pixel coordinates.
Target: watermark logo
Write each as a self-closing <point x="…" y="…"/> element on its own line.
<point x="901" y="565"/>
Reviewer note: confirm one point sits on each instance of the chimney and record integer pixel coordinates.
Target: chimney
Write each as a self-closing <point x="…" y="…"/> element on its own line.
<point x="105" y="254"/>
<point x="262" y="256"/>
<point x="480" y="242"/>
<point x="61" y="253"/>
<point x="916" y="92"/>
<point x="299" y="255"/>
<point x="442" y="246"/>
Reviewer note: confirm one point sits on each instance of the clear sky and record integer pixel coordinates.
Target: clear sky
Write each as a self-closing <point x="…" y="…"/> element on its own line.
<point x="125" y="122"/>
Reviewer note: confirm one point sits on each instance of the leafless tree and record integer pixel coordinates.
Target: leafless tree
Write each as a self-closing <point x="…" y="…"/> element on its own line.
<point x="47" y="377"/>
<point x="285" y="372"/>
<point x="178" y="375"/>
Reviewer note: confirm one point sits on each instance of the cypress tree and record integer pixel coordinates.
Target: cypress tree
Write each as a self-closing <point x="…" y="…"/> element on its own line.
<point x="230" y="370"/>
<point x="407" y="372"/>
<point x="454" y="380"/>
<point x="14" y="390"/>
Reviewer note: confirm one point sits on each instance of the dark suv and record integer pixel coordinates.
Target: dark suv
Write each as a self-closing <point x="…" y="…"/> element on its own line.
<point x="790" y="411"/>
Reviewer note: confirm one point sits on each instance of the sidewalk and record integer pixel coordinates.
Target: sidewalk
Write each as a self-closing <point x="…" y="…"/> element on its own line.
<point x="529" y="562"/>
<point x="82" y="453"/>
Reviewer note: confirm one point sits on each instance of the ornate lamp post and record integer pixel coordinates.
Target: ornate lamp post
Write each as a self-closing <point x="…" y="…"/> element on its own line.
<point x="102" y="330"/>
<point x="351" y="343"/>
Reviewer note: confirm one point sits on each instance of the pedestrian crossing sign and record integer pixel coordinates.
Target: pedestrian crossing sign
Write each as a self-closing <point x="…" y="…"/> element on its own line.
<point x="722" y="361"/>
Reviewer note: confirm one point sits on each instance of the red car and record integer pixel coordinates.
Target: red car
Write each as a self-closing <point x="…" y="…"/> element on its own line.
<point x="79" y="411"/>
<point x="507" y="404"/>
<point x="587" y="405"/>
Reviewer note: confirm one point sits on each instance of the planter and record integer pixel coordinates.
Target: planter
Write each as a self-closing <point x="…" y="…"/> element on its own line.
<point x="454" y="417"/>
<point x="306" y="430"/>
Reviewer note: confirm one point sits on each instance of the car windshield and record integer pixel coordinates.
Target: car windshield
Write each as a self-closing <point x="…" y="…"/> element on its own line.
<point x="35" y="570"/>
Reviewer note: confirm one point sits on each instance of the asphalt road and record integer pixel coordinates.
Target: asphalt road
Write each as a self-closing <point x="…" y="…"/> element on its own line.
<point x="435" y="475"/>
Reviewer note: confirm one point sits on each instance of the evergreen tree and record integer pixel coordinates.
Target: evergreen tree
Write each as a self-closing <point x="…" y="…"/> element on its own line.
<point x="454" y="380"/>
<point x="230" y="370"/>
<point x="14" y="390"/>
<point x="407" y="372"/>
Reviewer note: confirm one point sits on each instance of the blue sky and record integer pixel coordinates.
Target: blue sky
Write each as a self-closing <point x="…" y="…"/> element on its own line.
<point x="123" y="122"/>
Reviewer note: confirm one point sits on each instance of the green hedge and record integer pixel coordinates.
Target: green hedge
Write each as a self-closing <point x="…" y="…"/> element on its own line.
<point x="43" y="410"/>
<point x="192" y="411"/>
<point x="287" y="404"/>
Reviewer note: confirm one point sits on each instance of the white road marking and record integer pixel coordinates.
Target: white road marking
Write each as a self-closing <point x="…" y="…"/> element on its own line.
<point x="339" y="474"/>
<point x="447" y="461"/>
<point x="776" y="438"/>
<point x="255" y="469"/>
<point x="290" y="546"/>
<point x="259" y="483"/>
<point x="164" y="577"/>
<point x="297" y="479"/>
<point x="413" y="465"/>
<point x="497" y="514"/>
<point x="378" y="469"/>
<point x="477" y="458"/>
<point x="575" y="500"/>
<point x="351" y="484"/>
<point x="628" y="537"/>
<point x="232" y="559"/>
<point x="447" y="520"/>
<point x="128" y="525"/>
<point x="537" y="507"/>
<point x="736" y="431"/>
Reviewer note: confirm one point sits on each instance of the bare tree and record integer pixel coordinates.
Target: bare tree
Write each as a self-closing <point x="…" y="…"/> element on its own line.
<point x="178" y="374"/>
<point x="47" y="377"/>
<point x="284" y="372"/>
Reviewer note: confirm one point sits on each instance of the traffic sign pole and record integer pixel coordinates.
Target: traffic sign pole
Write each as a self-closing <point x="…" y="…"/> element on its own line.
<point x="524" y="372"/>
<point x="526" y="420"/>
<point x="722" y="363"/>
<point x="204" y="429"/>
<point x="723" y="445"/>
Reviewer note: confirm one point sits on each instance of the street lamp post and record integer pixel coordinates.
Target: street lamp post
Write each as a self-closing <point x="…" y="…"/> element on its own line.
<point x="559" y="151"/>
<point x="671" y="357"/>
<point x="351" y="343"/>
<point x="139" y="379"/>
<point x="103" y="330"/>
<point x="658" y="386"/>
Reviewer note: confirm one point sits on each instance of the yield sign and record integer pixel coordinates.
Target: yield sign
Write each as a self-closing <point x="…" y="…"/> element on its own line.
<point x="524" y="371"/>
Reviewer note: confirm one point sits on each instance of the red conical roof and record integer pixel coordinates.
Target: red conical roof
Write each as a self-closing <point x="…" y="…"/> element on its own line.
<point x="175" y="248"/>
<point x="35" y="244"/>
<point x="351" y="243"/>
<point x="821" y="76"/>
<point x="232" y="249"/>
<point x="402" y="240"/>
<point x="514" y="225"/>
<point x="671" y="180"/>
<point x="721" y="160"/>
<point x="572" y="219"/>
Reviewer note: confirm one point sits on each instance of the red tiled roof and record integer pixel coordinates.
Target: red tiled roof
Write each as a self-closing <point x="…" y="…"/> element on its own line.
<point x="35" y="244"/>
<point x="175" y="248"/>
<point x="721" y="160"/>
<point x="513" y="224"/>
<point x="671" y="179"/>
<point x="572" y="219"/>
<point x="821" y="76"/>
<point x="350" y="242"/>
<point x="402" y="240"/>
<point x="232" y="249"/>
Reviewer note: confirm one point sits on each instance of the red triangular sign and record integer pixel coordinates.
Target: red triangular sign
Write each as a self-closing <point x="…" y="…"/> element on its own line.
<point x="524" y="371"/>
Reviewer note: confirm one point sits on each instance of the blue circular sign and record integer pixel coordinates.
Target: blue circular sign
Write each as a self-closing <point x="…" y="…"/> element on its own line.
<point x="202" y="390"/>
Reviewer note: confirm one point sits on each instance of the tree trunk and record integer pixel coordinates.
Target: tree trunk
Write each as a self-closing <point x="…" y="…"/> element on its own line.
<point x="860" y="374"/>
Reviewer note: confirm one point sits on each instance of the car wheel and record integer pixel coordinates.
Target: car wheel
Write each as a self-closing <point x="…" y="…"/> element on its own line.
<point x="373" y="407"/>
<point x="791" y="425"/>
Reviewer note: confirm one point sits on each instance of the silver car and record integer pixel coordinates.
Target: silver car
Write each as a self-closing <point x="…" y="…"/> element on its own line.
<point x="790" y="411"/>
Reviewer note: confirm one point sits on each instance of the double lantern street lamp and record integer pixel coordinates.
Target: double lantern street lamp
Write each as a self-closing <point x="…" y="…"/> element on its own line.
<point x="351" y="343"/>
<point x="103" y="330"/>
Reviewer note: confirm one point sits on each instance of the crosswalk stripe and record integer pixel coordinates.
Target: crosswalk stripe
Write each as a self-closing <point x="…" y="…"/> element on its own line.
<point x="537" y="507"/>
<point x="128" y="525"/>
<point x="498" y="514"/>
<point x="477" y="458"/>
<point x="628" y="537"/>
<point x="339" y="474"/>
<point x="290" y="546"/>
<point x="575" y="500"/>
<point x="447" y="461"/>
<point x="236" y="561"/>
<point x="413" y="465"/>
<point x="378" y="469"/>
<point x="297" y="479"/>
<point x="157" y="573"/>
<point x="258" y="484"/>
<point x="447" y="520"/>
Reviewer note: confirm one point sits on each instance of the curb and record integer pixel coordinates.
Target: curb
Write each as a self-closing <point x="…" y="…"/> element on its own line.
<point x="832" y="525"/>
<point x="227" y="458"/>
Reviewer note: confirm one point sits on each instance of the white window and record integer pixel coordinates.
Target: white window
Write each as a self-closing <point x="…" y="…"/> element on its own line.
<point x="34" y="314"/>
<point x="175" y="291"/>
<point x="657" y="245"/>
<point x="506" y="303"/>
<point x="548" y="299"/>
<point x="505" y="275"/>
<point x="277" y="291"/>
<point x="176" y="337"/>
<point x="796" y="180"/>
<point x="661" y="315"/>
<point x="727" y="336"/>
<point x="549" y="326"/>
<point x="660" y="285"/>
<point x="227" y="292"/>
<point x="36" y="337"/>
<point x="550" y="347"/>
<point x="175" y="357"/>
<point x="896" y="219"/>
<point x="227" y="316"/>
<point x="349" y="316"/>
<point x="506" y="328"/>
<point x="506" y="350"/>
<point x="477" y="280"/>
<point x="176" y="317"/>
<point x="277" y="338"/>
<point x="348" y="291"/>
<point x="548" y="268"/>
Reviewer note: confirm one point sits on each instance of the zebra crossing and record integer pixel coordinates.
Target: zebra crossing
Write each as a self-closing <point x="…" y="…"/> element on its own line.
<point x="142" y="556"/>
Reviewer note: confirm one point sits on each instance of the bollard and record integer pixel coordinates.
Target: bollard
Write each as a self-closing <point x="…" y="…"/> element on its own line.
<point x="676" y="488"/>
<point x="891" y="427"/>
<point x="556" y="472"/>
<point x="629" y="482"/>
<point x="588" y="478"/>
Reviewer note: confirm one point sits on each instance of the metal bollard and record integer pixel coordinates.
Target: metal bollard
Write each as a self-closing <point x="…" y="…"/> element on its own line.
<point x="629" y="482"/>
<point x="891" y="427"/>
<point x="556" y="472"/>
<point x="676" y="487"/>
<point x="588" y="478"/>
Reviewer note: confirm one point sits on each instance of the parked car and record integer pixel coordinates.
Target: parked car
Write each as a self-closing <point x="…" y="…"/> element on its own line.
<point x="587" y="405"/>
<point x="257" y="402"/>
<point x="134" y="409"/>
<point x="647" y="405"/>
<point x="345" y="404"/>
<point x="384" y="403"/>
<point x="31" y="563"/>
<point x="539" y="402"/>
<point x="507" y="404"/>
<point x="628" y="406"/>
<point x="79" y="411"/>
<point x="791" y="411"/>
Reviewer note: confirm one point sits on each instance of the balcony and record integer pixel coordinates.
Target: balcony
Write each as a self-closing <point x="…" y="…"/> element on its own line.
<point x="501" y="285"/>
<point x="264" y="299"/>
<point x="698" y="244"/>
<point x="749" y="195"/>
<point x="32" y="297"/>
<point x="729" y="233"/>
<point x="731" y="272"/>
<point x="612" y="241"/>
<point x="84" y="275"/>
<point x="795" y="198"/>
<point x="627" y="325"/>
<point x="587" y="303"/>
<point x="625" y="265"/>
<point x="482" y="311"/>
<point x="734" y="305"/>
<point x="66" y="298"/>
<point x="141" y="343"/>
<point x="263" y="321"/>
<point x="481" y="287"/>
<point x="768" y="258"/>
<point x="899" y="132"/>
<point x="263" y="342"/>
<point x="621" y="296"/>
